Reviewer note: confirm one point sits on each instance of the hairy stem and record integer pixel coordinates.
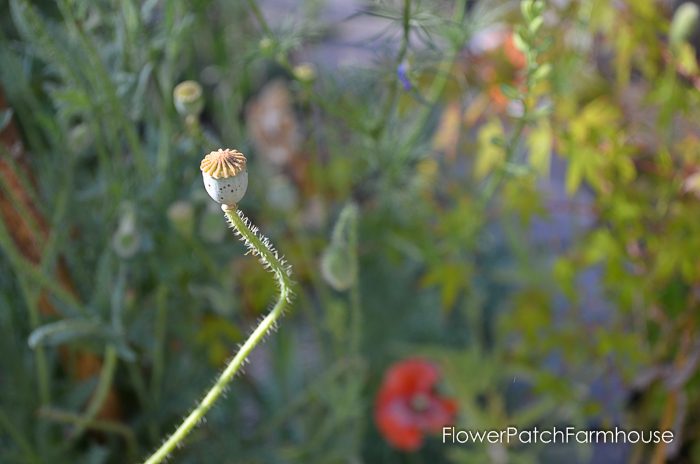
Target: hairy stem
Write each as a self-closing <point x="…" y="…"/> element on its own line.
<point x="261" y="247"/>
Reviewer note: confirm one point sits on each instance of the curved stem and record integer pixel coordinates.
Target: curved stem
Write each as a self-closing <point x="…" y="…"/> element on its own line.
<point x="260" y="246"/>
<point x="101" y="392"/>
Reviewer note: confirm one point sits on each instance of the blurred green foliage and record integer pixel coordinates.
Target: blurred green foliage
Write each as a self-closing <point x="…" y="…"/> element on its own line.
<point x="524" y="215"/>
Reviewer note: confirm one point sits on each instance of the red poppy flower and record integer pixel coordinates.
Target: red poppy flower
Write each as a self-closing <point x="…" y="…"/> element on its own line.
<point x="408" y="407"/>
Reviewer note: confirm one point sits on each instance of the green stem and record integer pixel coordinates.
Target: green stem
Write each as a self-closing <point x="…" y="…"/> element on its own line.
<point x="102" y="79"/>
<point x="259" y="16"/>
<point x="355" y="298"/>
<point x="159" y="351"/>
<point x="42" y="365"/>
<point x="19" y="439"/>
<point x="390" y="101"/>
<point x="317" y="286"/>
<point x="271" y="260"/>
<point x="440" y="81"/>
<point x="500" y="174"/>
<point x="26" y="268"/>
<point x="100" y="395"/>
<point x="94" y="424"/>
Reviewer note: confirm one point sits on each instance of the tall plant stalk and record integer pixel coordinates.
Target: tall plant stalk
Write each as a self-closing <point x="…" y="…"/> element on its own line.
<point x="260" y="246"/>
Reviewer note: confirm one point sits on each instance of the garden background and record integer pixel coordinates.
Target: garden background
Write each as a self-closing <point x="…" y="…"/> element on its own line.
<point x="491" y="210"/>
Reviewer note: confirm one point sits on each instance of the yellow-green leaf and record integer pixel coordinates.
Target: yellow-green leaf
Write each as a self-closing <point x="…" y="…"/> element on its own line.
<point x="489" y="155"/>
<point x="540" y="141"/>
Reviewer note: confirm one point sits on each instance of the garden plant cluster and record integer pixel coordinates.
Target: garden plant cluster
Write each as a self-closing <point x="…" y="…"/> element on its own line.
<point x="485" y="216"/>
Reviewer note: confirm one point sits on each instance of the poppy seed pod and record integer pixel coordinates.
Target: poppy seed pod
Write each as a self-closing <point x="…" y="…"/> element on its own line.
<point x="188" y="99"/>
<point x="225" y="176"/>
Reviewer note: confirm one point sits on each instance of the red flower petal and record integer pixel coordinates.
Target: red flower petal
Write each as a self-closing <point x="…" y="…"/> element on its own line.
<point x="410" y="377"/>
<point x="407" y="406"/>
<point x="441" y="412"/>
<point x="397" y="427"/>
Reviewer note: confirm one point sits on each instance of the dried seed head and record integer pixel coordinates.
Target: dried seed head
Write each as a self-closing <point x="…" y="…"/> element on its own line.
<point x="225" y="175"/>
<point x="221" y="164"/>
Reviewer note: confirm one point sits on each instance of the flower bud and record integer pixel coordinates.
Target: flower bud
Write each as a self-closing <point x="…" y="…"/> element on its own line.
<point x="305" y="72"/>
<point x="267" y="47"/>
<point x="685" y="20"/>
<point x="188" y="99"/>
<point x="80" y="138"/>
<point x="402" y="71"/>
<point x="127" y="240"/>
<point x="339" y="260"/>
<point x="225" y="176"/>
<point x="337" y="266"/>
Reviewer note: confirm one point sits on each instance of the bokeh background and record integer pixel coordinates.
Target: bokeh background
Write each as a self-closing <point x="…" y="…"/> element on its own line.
<point x="494" y="206"/>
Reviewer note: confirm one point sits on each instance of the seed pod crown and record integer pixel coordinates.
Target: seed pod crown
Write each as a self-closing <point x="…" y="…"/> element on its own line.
<point x="225" y="175"/>
<point x="223" y="163"/>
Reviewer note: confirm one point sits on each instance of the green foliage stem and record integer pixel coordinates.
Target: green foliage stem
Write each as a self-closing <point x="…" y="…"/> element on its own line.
<point x="66" y="417"/>
<point x="261" y="247"/>
<point x="100" y="395"/>
<point x="527" y="40"/>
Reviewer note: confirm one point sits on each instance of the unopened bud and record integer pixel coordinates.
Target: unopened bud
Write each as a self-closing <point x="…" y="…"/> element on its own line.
<point x="685" y="21"/>
<point x="127" y="240"/>
<point x="305" y="72"/>
<point x="188" y="99"/>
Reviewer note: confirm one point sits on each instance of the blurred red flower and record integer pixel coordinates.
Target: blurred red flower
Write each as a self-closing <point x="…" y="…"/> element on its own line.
<point x="407" y="405"/>
<point x="513" y="54"/>
<point x="499" y="61"/>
